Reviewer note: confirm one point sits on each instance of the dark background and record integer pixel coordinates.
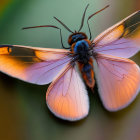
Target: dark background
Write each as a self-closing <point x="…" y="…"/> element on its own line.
<point x="23" y="111"/>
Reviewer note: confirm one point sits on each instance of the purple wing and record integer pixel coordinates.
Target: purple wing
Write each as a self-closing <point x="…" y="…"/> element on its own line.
<point x="118" y="81"/>
<point x="31" y="64"/>
<point x="122" y="39"/>
<point x="67" y="97"/>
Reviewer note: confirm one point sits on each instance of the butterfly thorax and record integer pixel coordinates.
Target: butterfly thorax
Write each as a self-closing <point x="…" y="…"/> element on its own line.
<point x="81" y="49"/>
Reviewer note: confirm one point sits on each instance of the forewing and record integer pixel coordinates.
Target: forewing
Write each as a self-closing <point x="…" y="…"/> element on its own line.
<point x="122" y="39"/>
<point x="67" y="96"/>
<point x="31" y="64"/>
<point x="118" y="81"/>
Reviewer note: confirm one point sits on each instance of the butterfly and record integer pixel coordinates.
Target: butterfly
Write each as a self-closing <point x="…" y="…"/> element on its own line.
<point x="118" y="78"/>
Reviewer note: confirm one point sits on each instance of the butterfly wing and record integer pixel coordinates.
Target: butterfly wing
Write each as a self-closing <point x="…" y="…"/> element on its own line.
<point x="122" y="39"/>
<point x="67" y="96"/>
<point x="31" y="64"/>
<point x="118" y="81"/>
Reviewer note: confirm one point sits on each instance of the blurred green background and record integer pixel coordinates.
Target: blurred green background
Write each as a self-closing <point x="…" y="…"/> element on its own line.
<point x="23" y="111"/>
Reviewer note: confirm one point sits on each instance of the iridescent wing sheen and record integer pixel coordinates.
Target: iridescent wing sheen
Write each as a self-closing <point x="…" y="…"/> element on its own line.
<point x="32" y="64"/>
<point x="122" y="39"/>
<point x="118" y="81"/>
<point x="67" y="97"/>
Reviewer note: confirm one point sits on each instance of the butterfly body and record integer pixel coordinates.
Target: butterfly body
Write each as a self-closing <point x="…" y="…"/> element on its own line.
<point x="82" y="50"/>
<point x="117" y="77"/>
<point x="87" y="72"/>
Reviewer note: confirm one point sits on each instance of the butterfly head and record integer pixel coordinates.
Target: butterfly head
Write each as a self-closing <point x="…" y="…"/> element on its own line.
<point x="73" y="38"/>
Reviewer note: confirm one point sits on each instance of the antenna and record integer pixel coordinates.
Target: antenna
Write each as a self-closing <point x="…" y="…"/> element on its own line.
<point x="49" y="26"/>
<point x="63" y="25"/>
<point x="40" y="26"/>
<point x="82" y="22"/>
<point x="92" y="16"/>
<point x="97" y="12"/>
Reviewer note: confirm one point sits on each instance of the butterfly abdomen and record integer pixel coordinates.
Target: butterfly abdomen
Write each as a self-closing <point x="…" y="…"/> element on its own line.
<point x="87" y="72"/>
<point x="80" y="47"/>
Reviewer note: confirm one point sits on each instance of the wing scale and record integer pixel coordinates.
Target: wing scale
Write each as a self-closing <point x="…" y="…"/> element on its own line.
<point x="67" y="96"/>
<point x="31" y="64"/>
<point x="118" y="81"/>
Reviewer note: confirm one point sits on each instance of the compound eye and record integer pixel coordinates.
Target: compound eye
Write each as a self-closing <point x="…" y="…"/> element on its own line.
<point x="76" y="37"/>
